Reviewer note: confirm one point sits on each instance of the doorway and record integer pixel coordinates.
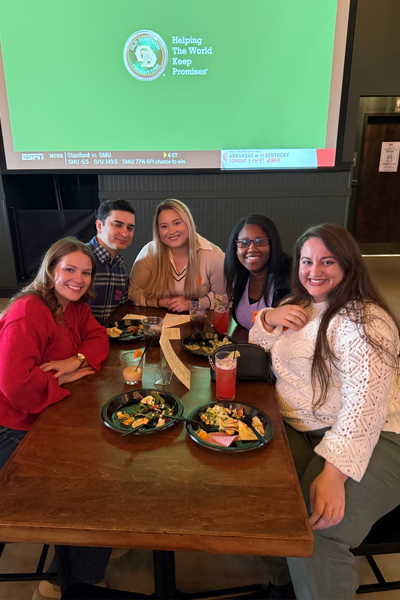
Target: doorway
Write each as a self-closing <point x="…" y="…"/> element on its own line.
<point x="376" y="224"/>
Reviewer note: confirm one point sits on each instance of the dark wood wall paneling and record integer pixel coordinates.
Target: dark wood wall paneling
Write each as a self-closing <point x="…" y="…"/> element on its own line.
<point x="294" y="201"/>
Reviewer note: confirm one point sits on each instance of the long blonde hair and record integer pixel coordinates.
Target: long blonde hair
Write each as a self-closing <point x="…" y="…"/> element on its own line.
<point x="161" y="284"/>
<point x="43" y="284"/>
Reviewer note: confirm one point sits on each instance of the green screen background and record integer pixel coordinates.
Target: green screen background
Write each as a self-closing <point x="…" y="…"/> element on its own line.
<point x="267" y="85"/>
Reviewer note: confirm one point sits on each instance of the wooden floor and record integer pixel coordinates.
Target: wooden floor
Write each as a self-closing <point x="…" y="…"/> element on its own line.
<point x="199" y="571"/>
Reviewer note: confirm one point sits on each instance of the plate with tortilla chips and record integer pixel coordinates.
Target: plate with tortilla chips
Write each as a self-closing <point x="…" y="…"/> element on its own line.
<point x="230" y="434"/>
<point x="127" y="330"/>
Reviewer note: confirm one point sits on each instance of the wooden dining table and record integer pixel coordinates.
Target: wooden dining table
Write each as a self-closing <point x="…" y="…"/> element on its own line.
<point x="74" y="481"/>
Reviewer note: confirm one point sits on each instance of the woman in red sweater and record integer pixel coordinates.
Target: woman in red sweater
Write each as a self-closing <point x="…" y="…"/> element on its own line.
<point x="48" y="337"/>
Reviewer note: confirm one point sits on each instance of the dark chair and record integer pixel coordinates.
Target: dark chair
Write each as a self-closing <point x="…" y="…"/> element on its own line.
<point x="37" y="576"/>
<point x="384" y="538"/>
<point x="50" y="226"/>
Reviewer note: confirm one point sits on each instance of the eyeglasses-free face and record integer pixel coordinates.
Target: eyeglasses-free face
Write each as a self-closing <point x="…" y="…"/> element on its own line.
<point x="253" y="249"/>
<point x="117" y="232"/>
<point x="319" y="270"/>
<point x="72" y="277"/>
<point x="173" y="231"/>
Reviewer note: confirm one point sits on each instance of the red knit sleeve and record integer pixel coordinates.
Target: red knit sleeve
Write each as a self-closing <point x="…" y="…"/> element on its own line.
<point x="26" y="386"/>
<point x="94" y="340"/>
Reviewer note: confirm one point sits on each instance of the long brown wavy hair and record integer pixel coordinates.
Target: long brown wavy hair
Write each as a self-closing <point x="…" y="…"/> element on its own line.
<point x="43" y="284"/>
<point x="352" y="298"/>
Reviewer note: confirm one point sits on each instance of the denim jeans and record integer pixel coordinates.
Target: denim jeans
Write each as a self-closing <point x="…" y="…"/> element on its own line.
<point x="9" y="440"/>
<point x="87" y="564"/>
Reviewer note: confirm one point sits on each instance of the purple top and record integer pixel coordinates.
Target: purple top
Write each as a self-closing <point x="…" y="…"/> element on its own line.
<point x="245" y="311"/>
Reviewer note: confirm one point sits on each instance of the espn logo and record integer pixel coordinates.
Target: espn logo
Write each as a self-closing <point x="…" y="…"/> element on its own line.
<point x="33" y="156"/>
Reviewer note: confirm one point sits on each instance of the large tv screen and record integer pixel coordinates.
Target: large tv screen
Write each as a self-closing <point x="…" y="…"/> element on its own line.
<point x="183" y="84"/>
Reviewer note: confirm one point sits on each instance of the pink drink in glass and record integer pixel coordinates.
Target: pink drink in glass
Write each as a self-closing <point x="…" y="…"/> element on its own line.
<point x="225" y="372"/>
<point x="221" y="319"/>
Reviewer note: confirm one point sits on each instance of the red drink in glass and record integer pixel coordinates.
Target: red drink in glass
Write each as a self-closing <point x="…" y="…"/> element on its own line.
<point x="221" y="319"/>
<point x="225" y="372"/>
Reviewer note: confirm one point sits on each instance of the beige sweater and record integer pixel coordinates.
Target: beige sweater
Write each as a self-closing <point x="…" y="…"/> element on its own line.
<point x="364" y="397"/>
<point x="211" y="275"/>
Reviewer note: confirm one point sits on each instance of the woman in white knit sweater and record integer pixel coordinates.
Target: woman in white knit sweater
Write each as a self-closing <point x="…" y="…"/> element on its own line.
<point x="335" y="353"/>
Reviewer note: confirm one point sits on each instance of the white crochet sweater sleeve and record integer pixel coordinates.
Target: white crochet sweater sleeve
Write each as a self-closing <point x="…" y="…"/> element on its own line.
<point x="258" y="335"/>
<point x="364" y="395"/>
<point x="365" y="377"/>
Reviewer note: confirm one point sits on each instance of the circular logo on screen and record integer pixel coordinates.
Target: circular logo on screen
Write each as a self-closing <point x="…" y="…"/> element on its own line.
<point x="145" y="55"/>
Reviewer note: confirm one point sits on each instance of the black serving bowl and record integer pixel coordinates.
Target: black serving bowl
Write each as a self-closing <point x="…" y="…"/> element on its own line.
<point x="128" y="399"/>
<point x="126" y="336"/>
<point x="195" y="338"/>
<point x="238" y="446"/>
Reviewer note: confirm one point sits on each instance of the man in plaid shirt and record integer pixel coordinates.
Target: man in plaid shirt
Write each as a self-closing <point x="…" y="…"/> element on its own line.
<point x="115" y="224"/>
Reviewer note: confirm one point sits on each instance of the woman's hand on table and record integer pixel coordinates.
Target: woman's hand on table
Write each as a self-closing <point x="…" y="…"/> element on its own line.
<point x="327" y="498"/>
<point x="163" y="302"/>
<point x="289" y="315"/>
<point x="75" y="375"/>
<point x="179" y="304"/>
<point x="175" y="304"/>
<point x="62" y="367"/>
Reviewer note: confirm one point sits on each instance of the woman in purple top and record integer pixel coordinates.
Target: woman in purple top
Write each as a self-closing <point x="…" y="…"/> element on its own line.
<point x="257" y="270"/>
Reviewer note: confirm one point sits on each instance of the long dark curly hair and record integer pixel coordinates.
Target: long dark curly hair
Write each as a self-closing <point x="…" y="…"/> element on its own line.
<point x="352" y="298"/>
<point x="43" y="284"/>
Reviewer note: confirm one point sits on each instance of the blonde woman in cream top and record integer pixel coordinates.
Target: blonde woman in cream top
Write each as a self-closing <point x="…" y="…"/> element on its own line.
<point x="178" y="265"/>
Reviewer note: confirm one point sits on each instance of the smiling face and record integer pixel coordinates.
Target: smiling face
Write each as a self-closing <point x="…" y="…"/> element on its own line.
<point x="254" y="258"/>
<point x="116" y="233"/>
<point x="72" y="277"/>
<point x="172" y="229"/>
<point x="319" y="270"/>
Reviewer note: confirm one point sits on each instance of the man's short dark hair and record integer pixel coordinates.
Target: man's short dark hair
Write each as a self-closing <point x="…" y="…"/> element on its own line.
<point x="109" y="205"/>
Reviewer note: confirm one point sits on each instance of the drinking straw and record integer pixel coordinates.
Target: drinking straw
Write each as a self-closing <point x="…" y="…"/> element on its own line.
<point x="140" y="362"/>
<point x="203" y="337"/>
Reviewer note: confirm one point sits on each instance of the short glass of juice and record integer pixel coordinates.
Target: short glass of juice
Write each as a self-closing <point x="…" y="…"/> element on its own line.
<point x="225" y="371"/>
<point x="131" y="371"/>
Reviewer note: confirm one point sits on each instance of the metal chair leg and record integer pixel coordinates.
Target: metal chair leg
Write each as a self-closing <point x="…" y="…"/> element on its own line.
<point x="38" y="575"/>
<point x="382" y="585"/>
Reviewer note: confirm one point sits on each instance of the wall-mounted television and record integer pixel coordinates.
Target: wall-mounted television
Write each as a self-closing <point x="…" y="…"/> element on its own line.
<point x="183" y="84"/>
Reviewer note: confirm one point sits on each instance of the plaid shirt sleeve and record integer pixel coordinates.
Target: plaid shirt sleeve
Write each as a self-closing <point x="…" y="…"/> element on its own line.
<point x="124" y="297"/>
<point x="111" y="283"/>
